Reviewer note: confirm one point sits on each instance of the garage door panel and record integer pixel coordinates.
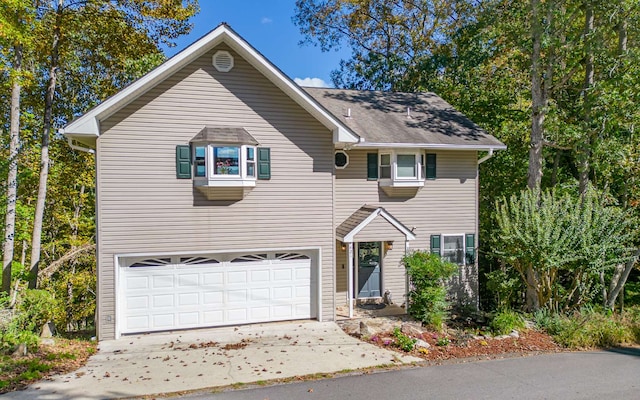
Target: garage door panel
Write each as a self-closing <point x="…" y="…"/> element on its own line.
<point x="236" y="277"/>
<point x="137" y="302"/>
<point x="164" y="321"/>
<point x="188" y="280"/>
<point x="260" y="294"/>
<point x="175" y="296"/>
<point x="162" y="281"/>
<point x="213" y="298"/>
<point x="163" y="300"/>
<point x="213" y="278"/>
<point x="190" y="318"/>
<point x="188" y="299"/>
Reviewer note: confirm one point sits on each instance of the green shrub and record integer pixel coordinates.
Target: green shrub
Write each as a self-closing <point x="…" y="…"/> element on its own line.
<point x="588" y="328"/>
<point x="443" y="341"/>
<point x="505" y="287"/>
<point x="427" y="298"/>
<point x="404" y="342"/>
<point x="33" y="309"/>
<point x="506" y="321"/>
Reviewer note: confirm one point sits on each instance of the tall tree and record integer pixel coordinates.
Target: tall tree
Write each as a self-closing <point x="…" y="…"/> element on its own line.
<point x="15" y="24"/>
<point x="149" y="22"/>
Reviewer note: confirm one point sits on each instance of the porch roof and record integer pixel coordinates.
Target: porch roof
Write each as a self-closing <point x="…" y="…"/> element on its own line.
<point x="366" y="214"/>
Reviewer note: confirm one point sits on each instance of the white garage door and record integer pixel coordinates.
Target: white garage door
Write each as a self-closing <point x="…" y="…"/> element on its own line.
<point x="167" y="293"/>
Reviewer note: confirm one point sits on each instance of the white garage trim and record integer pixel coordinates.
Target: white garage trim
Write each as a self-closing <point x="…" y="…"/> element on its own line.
<point x="169" y="264"/>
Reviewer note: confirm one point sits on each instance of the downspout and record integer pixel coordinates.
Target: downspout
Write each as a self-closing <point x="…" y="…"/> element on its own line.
<point x="485" y="158"/>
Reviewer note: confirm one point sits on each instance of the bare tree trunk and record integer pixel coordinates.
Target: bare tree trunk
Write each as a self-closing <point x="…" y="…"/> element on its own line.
<point x="36" y="239"/>
<point x="584" y="156"/>
<point x="538" y="103"/>
<point x="12" y="177"/>
<point x="622" y="280"/>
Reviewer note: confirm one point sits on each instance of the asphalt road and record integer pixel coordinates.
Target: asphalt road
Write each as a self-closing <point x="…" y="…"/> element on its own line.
<point x="609" y="375"/>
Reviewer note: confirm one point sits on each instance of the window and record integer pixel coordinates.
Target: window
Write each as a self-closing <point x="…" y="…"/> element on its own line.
<point x="199" y="165"/>
<point x="226" y="161"/>
<point x="224" y="165"/>
<point x="251" y="162"/>
<point x="385" y="166"/>
<point x="341" y="159"/>
<point x="453" y="249"/>
<point x="401" y="169"/>
<point x="458" y="249"/>
<point x="406" y="166"/>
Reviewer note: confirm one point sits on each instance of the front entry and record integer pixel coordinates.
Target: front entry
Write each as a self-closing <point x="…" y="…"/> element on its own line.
<point x="369" y="266"/>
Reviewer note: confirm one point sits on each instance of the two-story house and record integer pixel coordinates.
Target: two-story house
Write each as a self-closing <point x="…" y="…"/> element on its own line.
<point x="227" y="194"/>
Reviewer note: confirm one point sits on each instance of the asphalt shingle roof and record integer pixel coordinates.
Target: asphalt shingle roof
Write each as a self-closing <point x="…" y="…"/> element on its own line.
<point x="381" y="117"/>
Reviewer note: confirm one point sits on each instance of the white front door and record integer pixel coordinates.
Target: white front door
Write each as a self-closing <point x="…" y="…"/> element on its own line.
<point x="178" y="292"/>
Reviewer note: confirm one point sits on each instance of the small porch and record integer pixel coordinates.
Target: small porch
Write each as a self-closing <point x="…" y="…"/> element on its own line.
<point x="370" y="277"/>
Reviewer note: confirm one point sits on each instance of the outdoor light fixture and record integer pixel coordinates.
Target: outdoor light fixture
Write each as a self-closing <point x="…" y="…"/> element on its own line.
<point x="389" y="245"/>
<point x="343" y="246"/>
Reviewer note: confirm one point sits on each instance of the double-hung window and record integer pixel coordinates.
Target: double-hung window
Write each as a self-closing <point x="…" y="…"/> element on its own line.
<point x="401" y="168"/>
<point x="453" y="248"/>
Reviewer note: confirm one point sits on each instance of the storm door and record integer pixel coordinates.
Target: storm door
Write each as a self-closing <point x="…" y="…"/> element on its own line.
<point x="368" y="260"/>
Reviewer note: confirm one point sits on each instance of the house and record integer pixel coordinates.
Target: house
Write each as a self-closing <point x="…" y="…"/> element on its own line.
<point x="227" y="194"/>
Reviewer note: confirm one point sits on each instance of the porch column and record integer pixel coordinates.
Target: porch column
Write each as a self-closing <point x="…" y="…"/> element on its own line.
<point x="350" y="278"/>
<point x="406" y="277"/>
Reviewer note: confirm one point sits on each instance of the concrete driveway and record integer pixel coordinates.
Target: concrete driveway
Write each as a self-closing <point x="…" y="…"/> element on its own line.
<point x="186" y="360"/>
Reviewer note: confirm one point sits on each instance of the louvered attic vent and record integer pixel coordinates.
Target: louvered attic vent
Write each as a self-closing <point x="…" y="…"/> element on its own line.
<point x="223" y="61"/>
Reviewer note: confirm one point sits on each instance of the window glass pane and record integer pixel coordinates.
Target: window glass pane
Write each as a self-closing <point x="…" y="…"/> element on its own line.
<point x="453" y="249"/>
<point x="251" y="169"/>
<point x="251" y="153"/>
<point x="199" y="161"/>
<point x="406" y="166"/>
<point x="226" y="160"/>
<point x="341" y="159"/>
<point x="385" y="166"/>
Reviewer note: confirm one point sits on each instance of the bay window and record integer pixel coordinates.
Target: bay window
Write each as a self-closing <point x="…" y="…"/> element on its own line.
<point x="224" y="165"/>
<point x="401" y="168"/>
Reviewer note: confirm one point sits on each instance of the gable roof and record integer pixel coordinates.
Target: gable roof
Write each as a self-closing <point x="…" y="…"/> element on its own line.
<point x="351" y="226"/>
<point x="86" y="128"/>
<point x="393" y="119"/>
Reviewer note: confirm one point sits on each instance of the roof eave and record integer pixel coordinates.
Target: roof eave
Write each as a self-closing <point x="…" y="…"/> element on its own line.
<point x="435" y="146"/>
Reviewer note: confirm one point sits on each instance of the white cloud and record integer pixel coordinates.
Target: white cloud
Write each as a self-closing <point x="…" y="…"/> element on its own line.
<point x="266" y="20"/>
<point x="311" y="82"/>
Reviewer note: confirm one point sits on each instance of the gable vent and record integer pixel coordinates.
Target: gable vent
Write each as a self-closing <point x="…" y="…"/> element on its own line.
<point x="223" y="61"/>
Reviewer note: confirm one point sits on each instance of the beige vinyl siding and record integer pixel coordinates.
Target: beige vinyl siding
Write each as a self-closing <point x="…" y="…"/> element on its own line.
<point x="446" y="205"/>
<point x="377" y="230"/>
<point x="143" y="208"/>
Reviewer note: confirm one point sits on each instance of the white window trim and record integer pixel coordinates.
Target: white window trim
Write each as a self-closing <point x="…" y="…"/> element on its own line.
<point x="334" y="159"/>
<point x="464" y="246"/>
<point x="395" y="180"/>
<point x="221" y="180"/>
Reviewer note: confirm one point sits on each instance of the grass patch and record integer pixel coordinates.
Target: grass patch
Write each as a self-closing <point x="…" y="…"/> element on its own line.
<point x="65" y="356"/>
<point x="591" y="328"/>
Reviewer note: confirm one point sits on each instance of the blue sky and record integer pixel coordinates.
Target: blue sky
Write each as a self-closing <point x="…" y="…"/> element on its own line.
<point x="267" y="26"/>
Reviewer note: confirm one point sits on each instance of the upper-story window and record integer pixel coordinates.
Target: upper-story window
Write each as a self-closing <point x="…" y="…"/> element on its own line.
<point x="228" y="156"/>
<point x="215" y="161"/>
<point x="401" y="168"/>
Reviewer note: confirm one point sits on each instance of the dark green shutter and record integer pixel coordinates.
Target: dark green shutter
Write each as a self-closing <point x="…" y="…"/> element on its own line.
<point x="372" y="166"/>
<point x="183" y="161"/>
<point x="264" y="163"/>
<point x="470" y="248"/>
<point x="435" y="244"/>
<point x="431" y="166"/>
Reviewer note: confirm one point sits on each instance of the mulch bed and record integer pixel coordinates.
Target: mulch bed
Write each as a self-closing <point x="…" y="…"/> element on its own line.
<point x="464" y="346"/>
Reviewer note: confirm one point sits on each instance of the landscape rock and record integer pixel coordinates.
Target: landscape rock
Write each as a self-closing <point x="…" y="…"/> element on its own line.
<point x="411" y="329"/>
<point x="48" y="330"/>
<point x="421" y="344"/>
<point x="48" y="341"/>
<point x="20" y="351"/>
<point x="514" y="334"/>
<point x="375" y="326"/>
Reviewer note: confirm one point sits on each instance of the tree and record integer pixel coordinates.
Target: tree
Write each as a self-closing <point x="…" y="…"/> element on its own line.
<point x="148" y="24"/>
<point x="15" y="24"/>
